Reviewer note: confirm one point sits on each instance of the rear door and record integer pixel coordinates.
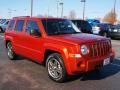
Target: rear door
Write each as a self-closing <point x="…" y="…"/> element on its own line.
<point x="17" y="36"/>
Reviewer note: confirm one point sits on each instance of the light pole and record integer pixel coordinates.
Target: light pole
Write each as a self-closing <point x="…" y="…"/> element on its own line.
<point x="25" y="11"/>
<point x="57" y="8"/>
<point x="62" y="8"/>
<point x="84" y="1"/>
<point x="10" y="11"/>
<point x="31" y="8"/>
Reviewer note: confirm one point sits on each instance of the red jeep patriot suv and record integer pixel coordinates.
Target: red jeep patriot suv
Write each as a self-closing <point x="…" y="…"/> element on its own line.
<point x="58" y="44"/>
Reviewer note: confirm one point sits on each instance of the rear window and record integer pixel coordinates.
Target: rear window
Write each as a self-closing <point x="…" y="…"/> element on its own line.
<point x="19" y="25"/>
<point x="105" y="25"/>
<point x="10" y="27"/>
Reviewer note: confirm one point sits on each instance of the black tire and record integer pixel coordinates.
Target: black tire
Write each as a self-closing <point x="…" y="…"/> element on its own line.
<point x="55" y="67"/>
<point x="11" y="54"/>
<point x="113" y="38"/>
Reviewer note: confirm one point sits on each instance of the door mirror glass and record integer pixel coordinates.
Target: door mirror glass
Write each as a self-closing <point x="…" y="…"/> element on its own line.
<point x="32" y="28"/>
<point x="35" y="33"/>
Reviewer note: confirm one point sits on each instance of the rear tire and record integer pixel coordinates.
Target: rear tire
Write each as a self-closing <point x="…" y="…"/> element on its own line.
<point x="55" y="67"/>
<point x="11" y="54"/>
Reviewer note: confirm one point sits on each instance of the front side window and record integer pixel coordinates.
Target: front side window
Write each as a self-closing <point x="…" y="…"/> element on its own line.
<point x="53" y="27"/>
<point x="10" y="27"/>
<point x="19" y="25"/>
<point x="32" y="25"/>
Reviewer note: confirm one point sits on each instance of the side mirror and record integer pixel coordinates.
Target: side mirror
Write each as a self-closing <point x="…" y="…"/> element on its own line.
<point x="35" y="33"/>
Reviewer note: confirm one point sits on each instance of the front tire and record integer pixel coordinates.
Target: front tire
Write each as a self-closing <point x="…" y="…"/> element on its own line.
<point x="11" y="54"/>
<point x="55" y="67"/>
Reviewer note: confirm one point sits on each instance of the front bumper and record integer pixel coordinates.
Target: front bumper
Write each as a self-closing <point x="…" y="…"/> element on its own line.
<point x="83" y="65"/>
<point x="96" y="64"/>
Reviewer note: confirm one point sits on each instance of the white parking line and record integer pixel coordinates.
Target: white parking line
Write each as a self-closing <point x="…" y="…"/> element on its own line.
<point x="1" y="36"/>
<point x="115" y="64"/>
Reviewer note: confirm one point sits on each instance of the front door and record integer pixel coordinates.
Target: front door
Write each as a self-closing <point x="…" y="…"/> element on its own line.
<point x="33" y="44"/>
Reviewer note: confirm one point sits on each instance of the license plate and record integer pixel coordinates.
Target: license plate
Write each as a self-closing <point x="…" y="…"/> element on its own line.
<point x="106" y="61"/>
<point x="115" y="30"/>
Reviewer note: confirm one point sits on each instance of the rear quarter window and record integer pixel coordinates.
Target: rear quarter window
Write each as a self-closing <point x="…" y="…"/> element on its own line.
<point x="11" y="24"/>
<point x="19" y="25"/>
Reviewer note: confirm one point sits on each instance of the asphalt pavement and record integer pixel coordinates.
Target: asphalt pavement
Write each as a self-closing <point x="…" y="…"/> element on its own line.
<point x="23" y="74"/>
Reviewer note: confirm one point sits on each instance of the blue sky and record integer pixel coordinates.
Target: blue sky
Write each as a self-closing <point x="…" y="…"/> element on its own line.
<point x="94" y="8"/>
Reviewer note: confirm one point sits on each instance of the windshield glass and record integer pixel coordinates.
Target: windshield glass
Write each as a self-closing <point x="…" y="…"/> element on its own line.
<point x="53" y="27"/>
<point x="82" y="24"/>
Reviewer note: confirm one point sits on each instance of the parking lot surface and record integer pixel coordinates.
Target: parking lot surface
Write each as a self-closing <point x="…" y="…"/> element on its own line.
<point x="24" y="74"/>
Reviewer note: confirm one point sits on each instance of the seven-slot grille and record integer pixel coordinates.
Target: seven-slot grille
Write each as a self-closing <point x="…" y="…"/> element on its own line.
<point x="101" y="48"/>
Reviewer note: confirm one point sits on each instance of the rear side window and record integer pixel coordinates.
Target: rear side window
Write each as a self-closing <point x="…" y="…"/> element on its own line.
<point x="19" y="25"/>
<point x="32" y="25"/>
<point x="10" y="27"/>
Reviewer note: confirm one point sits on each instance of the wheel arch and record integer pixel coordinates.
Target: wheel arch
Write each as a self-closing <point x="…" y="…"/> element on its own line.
<point x="47" y="53"/>
<point x="6" y="42"/>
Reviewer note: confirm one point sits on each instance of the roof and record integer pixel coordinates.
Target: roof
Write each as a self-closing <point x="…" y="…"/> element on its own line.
<point x="28" y="17"/>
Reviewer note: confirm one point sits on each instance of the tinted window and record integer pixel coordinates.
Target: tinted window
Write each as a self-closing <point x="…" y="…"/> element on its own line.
<point x="118" y="26"/>
<point x="53" y="27"/>
<point x="82" y="24"/>
<point x="10" y="27"/>
<point x="105" y="26"/>
<point x="32" y="25"/>
<point x="19" y="25"/>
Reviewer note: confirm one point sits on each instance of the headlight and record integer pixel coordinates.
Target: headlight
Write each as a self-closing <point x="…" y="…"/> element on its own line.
<point x="84" y="50"/>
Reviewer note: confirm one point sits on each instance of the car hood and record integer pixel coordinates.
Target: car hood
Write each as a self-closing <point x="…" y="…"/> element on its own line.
<point x="77" y="38"/>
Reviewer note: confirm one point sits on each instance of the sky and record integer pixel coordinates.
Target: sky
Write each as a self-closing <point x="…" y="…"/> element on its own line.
<point x="94" y="8"/>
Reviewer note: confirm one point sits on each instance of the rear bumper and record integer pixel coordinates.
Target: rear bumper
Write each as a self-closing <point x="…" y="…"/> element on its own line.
<point x="115" y="34"/>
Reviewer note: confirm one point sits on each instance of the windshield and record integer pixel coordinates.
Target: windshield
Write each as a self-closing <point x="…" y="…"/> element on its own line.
<point x="82" y="24"/>
<point x="53" y="27"/>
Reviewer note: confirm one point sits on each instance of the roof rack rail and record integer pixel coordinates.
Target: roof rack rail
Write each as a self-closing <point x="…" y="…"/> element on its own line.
<point x="21" y="17"/>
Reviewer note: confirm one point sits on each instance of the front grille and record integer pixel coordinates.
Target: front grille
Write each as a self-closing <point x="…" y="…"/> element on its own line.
<point x="100" y="48"/>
